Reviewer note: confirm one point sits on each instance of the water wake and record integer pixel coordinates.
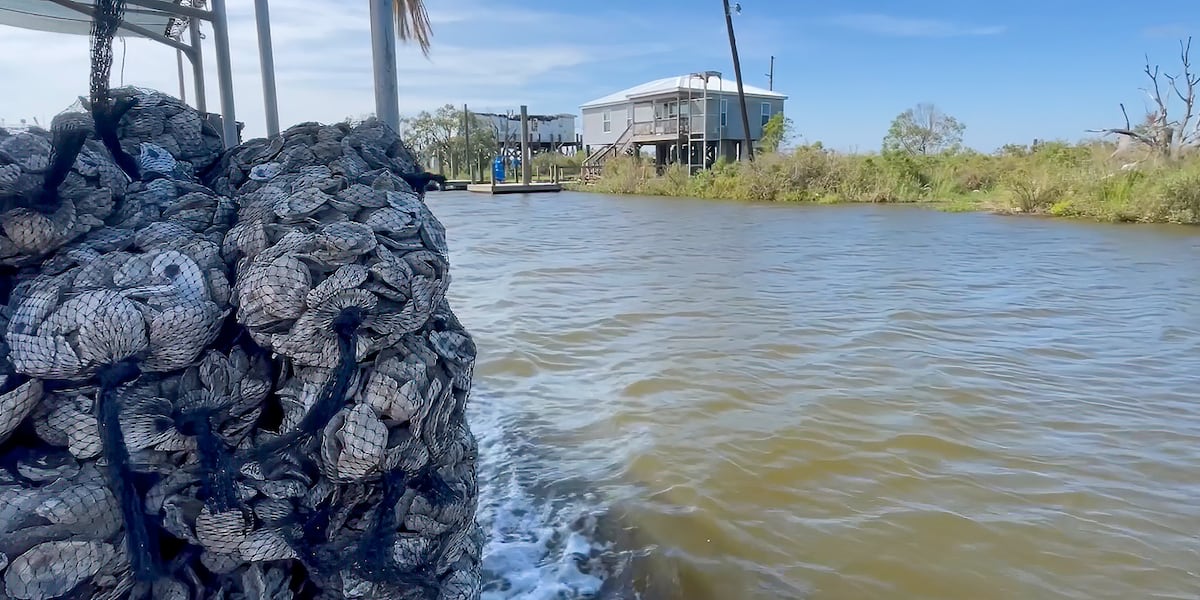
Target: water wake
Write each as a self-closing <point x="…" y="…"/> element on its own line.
<point x="539" y="546"/>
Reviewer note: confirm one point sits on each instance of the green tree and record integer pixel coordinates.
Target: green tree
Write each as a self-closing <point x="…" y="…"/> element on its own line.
<point x="440" y="137"/>
<point x="925" y="130"/>
<point x="775" y="132"/>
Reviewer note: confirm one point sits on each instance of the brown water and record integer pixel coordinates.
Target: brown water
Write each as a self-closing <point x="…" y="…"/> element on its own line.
<point x="829" y="402"/>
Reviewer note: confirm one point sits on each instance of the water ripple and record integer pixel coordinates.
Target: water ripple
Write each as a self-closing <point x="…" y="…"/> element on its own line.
<point x="704" y="400"/>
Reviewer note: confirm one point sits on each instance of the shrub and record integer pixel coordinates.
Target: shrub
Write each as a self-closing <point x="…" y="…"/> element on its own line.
<point x="1048" y="178"/>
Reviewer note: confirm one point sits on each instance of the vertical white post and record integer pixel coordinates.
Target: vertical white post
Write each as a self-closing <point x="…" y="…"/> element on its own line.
<point x="691" y="119"/>
<point x="266" y="60"/>
<point x="224" y="72"/>
<point x="197" y="58"/>
<point x="383" y="58"/>
<point x="179" y="65"/>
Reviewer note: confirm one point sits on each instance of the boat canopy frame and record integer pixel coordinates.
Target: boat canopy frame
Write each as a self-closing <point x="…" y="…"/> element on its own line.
<point x="183" y="16"/>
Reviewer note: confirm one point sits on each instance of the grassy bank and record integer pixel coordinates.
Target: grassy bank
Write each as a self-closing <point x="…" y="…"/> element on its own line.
<point x="1053" y="179"/>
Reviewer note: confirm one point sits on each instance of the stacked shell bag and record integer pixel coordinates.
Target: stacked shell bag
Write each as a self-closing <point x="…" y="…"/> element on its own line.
<point x="102" y="328"/>
<point x="342" y="272"/>
<point x="253" y="388"/>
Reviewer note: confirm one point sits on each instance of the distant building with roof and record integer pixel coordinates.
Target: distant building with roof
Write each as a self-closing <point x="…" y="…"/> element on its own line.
<point x="677" y="116"/>
<point x="547" y="133"/>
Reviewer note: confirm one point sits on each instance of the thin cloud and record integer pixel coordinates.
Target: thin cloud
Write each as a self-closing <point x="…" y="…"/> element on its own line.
<point x="323" y="63"/>
<point x="1167" y="31"/>
<point x="882" y="24"/>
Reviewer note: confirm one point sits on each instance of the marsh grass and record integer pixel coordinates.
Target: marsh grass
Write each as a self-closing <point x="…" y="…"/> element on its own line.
<point x="1056" y="179"/>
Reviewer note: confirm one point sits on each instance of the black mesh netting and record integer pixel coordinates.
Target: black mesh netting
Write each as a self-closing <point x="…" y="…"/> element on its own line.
<point x="226" y="374"/>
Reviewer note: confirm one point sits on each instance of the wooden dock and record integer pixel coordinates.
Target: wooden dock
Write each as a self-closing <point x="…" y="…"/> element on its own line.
<point x="514" y="188"/>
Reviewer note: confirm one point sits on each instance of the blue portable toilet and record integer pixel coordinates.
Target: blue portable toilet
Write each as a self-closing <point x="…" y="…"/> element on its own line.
<point x="498" y="169"/>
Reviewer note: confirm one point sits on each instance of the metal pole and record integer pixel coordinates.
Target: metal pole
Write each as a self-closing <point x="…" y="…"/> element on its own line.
<point x="704" y="152"/>
<point x="198" y="65"/>
<point x="182" y="88"/>
<point x="467" y="162"/>
<point x="691" y="109"/>
<point x="771" y="75"/>
<point x="737" y="72"/>
<point x="266" y="60"/>
<point x="525" y="171"/>
<point x="383" y="57"/>
<point x="224" y="72"/>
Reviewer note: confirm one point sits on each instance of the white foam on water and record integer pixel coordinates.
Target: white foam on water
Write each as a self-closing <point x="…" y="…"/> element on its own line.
<point x="536" y="548"/>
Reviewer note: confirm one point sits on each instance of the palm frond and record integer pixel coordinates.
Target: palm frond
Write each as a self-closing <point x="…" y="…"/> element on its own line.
<point x="412" y="22"/>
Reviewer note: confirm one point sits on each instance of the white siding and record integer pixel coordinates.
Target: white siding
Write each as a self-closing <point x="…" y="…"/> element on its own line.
<point x="593" y="128"/>
<point x="541" y="129"/>
<point x="730" y="128"/>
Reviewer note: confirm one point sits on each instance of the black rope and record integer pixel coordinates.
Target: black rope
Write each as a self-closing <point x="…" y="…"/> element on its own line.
<point x="105" y="112"/>
<point x="333" y="395"/>
<point x="140" y="541"/>
<point x="217" y="486"/>
<point x="431" y="485"/>
<point x="69" y="135"/>
<point x="373" y="559"/>
<point x="371" y="556"/>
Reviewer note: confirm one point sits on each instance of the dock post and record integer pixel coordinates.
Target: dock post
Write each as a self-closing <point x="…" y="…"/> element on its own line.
<point x="525" y="167"/>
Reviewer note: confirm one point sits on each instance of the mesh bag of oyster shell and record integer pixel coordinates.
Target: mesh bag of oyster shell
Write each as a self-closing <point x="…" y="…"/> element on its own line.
<point x="174" y="138"/>
<point x="341" y="270"/>
<point x="151" y="444"/>
<point x="159" y="123"/>
<point x="96" y="341"/>
<point x="97" y="327"/>
<point x="55" y="186"/>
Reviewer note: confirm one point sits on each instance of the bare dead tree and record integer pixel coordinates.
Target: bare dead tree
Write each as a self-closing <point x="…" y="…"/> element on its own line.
<point x="1168" y="130"/>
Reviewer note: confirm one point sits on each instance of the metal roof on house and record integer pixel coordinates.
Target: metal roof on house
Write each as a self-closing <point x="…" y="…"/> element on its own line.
<point x="680" y="84"/>
<point x="45" y="15"/>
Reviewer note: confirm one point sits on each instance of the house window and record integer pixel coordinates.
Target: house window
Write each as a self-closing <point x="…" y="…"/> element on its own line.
<point x="766" y="113"/>
<point x="724" y="112"/>
<point x="607" y="122"/>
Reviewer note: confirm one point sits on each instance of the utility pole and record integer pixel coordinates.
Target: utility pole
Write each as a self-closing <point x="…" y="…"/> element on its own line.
<point x="771" y="75"/>
<point x="470" y="164"/>
<point x="748" y="152"/>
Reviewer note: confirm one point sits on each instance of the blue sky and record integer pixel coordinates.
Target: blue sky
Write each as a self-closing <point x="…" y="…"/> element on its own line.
<point x="1012" y="71"/>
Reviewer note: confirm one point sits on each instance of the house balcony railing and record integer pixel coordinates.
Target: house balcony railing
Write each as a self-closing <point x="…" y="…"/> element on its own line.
<point x="660" y="127"/>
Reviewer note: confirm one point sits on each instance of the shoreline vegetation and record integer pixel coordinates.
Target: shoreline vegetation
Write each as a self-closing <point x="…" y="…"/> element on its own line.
<point x="1150" y="174"/>
<point x="1145" y="171"/>
<point x="1051" y="178"/>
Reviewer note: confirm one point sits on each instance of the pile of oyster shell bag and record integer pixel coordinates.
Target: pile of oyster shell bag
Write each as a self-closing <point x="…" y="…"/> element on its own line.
<point x="235" y="375"/>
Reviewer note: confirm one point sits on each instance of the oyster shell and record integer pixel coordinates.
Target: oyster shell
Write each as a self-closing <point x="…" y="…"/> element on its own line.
<point x="52" y="569"/>
<point x="313" y="245"/>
